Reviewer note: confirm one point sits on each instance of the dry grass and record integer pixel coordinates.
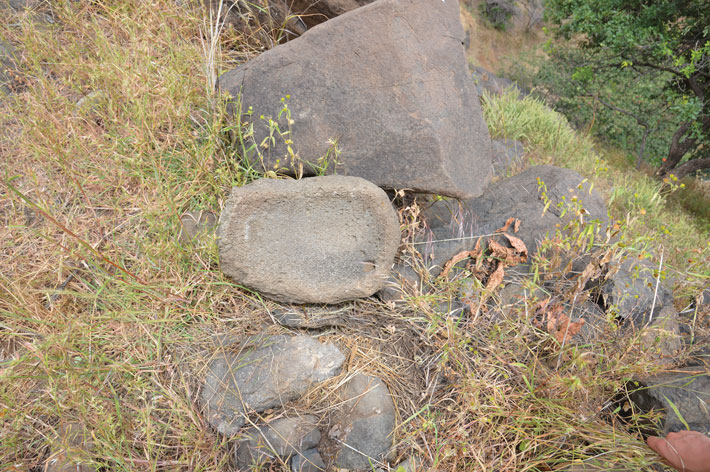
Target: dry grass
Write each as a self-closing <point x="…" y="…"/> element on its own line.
<point x="107" y="321"/>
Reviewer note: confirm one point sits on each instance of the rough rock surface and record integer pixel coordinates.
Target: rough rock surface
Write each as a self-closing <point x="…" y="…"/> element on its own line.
<point x="630" y="290"/>
<point x="318" y="240"/>
<point x="454" y="226"/>
<point x="267" y="372"/>
<point x="399" y="102"/>
<point x="507" y="153"/>
<point x="689" y="390"/>
<point x="280" y="438"/>
<point x="308" y="461"/>
<point x="366" y="423"/>
<point x="661" y="338"/>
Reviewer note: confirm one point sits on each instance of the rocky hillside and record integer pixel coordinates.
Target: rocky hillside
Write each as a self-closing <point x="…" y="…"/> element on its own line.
<point x="308" y="237"/>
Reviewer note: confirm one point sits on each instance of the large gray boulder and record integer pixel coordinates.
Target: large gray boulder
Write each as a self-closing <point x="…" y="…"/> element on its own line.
<point x="388" y="82"/>
<point x="364" y="429"/>
<point x="268" y="372"/>
<point x="453" y="226"/>
<point x="318" y="240"/>
<point x="686" y="390"/>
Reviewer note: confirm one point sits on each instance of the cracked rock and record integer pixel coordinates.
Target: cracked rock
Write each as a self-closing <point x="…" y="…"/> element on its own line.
<point x="267" y="372"/>
<point x="365" y="427"/>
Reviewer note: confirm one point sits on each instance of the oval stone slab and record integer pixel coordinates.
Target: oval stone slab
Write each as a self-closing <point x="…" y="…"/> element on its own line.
<point x="317" y="240"/>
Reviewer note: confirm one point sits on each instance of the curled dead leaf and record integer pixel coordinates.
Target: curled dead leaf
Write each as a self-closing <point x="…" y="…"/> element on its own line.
<point x="496" y="277"/>
<point x="456" y="259"/>
<point x="558" y="324"/>
<point x="505" y="227"/>
<point x="517" y="244"/>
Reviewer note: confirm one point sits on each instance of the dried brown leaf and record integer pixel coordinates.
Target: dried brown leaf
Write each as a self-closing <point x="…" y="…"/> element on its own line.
<point x="496" y="277"/>
<point x="505" y="227"/>
<point x="456" y="259"/>
<point x="516" y="226"/>
<point x="559" y="325"/>
<point x="517" y="244"/>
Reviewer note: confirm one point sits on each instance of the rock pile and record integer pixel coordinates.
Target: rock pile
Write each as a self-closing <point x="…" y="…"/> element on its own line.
<point x="267" y="372"/>
<point x="393" y="110"/>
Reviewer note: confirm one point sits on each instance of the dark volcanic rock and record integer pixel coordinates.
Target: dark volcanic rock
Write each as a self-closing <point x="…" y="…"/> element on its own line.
<point x="688" y="390"/>
<point x="280" y="438"/>
<point x="364" y="429"/>
<point x="318" y="240"/>
<point x="629" y="291"/>
<point x="403" y="281"/>
<point x="307" y="461"/>
<point x="454" y="226"/>
<point x="388" y="81"/>
<point x="269" y="371"/>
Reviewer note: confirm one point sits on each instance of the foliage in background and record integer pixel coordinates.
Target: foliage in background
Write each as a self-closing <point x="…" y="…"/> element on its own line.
<point x="497" y="12"/>
<point x="664" y="43"/>
<point x="624" y="109"/>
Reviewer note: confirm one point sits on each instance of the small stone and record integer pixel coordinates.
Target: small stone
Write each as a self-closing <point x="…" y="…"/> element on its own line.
<point x="403" y="281"/>
<point x="268" y="372"/>
<point x="411" y="464"/>
<point x="280" y="438"/>
<point x="307" y="461"/>
<point x="364" y="430"/>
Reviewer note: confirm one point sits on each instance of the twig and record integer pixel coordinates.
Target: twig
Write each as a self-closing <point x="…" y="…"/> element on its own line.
<point x="655" y="292"/>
